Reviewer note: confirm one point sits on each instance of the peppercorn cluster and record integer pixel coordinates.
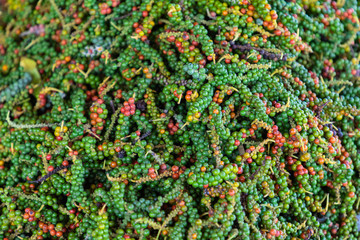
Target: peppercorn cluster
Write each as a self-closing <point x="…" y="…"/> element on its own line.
<point x="179" y="119"/>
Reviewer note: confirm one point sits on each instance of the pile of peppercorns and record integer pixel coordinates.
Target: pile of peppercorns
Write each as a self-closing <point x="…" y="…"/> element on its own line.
<point x="179" y="119"/>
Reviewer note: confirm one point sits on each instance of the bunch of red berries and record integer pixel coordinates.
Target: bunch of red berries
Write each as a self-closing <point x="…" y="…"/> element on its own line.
<point x="129" y="107"/>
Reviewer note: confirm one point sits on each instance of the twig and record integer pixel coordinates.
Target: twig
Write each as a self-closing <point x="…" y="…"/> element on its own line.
<point x="50" y="174"/>
<point x="58" y="12"/>
<point x="38" y="125"/>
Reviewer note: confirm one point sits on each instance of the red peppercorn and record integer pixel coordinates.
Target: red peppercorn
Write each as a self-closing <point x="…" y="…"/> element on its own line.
<point x="231" y="192"/>
<point x="175" y="168"/>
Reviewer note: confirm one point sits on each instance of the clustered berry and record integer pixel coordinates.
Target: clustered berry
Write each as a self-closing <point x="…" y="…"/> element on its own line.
<point x="179" y="119"/>
<point x="129" y="107"/>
